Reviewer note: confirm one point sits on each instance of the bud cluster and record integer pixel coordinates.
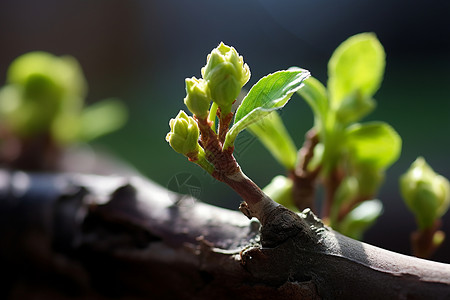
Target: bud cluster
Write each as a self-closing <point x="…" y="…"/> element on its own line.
<point x="223" y="77"/>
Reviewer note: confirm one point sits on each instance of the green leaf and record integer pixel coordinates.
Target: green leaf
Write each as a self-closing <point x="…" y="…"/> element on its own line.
<point x="102" y="118"/>
<point x="315" y="94"/>
<point x="374" y="144"/>
<point x="268" y="94"/>
<point x="361" y="218"/>
<point x="273" y="135"/>
<point x="353" y="108"/>
<point x="280" y="190"/>
<point x="357" y="65"/>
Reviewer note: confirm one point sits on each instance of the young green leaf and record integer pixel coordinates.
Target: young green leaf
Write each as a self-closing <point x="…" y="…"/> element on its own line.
<point x="268" y="94"/>
<point x="273" y="135"/>
<point x="357" y="65"/>
<point x="361" y="218"/>
<point x="376" y="144"/>
<point x="280" y="190"/>
<point x="102" y="118"/>
<point x="354" y="107"/>
<point x="315" y="94"/>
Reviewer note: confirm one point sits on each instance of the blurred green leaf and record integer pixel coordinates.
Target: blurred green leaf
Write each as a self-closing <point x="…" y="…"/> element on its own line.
<point x="346" y="192"/>
<point x="63" y="73"/>
<point x="102" y="118"/>
<point x="273" y="135"/>
<point x="315" y="94"/>
<point x="361" y="218"/>
<point x="268" y="94"/>
<point x="374" y="144"/>
<point x="369" y="178"/>
<point x="354" y="107"/>
<point x="357" y="65"/>
<point x="280" y="190"/>
<point x="66" y="127"/>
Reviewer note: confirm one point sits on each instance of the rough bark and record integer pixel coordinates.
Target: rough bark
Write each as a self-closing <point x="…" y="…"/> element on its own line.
<point x="94" y="237"/>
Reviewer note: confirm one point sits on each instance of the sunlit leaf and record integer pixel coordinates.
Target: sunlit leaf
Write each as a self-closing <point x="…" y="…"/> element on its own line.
<point x="357" y="65"/>
<point x="280" y="190"/>
<point x="373" y="144"/>
<point x="315" y="94"/>
<point x="354" y="107"/>
<point x="361" y="218"/>
<point x="268" y="94"/>
<point x="273" y="135"/>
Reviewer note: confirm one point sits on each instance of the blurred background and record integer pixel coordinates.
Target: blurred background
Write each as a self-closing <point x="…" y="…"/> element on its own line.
<point x="141" y="52"/>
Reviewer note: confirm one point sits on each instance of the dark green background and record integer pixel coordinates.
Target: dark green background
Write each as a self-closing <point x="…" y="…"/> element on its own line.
<point x="141" y="51"/>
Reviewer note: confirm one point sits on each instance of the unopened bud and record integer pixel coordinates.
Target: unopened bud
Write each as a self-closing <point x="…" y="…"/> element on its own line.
<point x="425" y="192"/>
<point x="197" y="96"/>
<point x="226" y="74"/>
<point x="183" y="135"/>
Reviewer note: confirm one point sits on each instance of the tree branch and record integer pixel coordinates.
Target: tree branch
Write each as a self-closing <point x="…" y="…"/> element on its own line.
<point x="96" y="237"/>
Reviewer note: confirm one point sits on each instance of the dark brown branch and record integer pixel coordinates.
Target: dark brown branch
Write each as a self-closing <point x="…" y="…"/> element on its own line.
<point x="94" y="237"/>
<point x="304" y="189"/>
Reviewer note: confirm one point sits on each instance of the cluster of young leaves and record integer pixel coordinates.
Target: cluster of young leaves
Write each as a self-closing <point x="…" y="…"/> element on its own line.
<point x="355" y="155"/>
<point x="44" y="95"/>
<point x="347" y="156"/>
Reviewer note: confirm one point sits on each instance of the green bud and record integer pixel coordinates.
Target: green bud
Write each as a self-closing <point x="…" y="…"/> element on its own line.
<point x="183" y="135"/>
<point x="226" y="74"/>
<point x="40" y="73"/>
<point x="40" y="87"/>
<point x="197" y="97"/>
<point x="425" y="192"/>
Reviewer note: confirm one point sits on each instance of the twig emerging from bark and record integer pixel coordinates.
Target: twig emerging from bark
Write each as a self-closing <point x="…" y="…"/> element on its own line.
<point x="426" y="241"/>
<point x="304" y="188"/>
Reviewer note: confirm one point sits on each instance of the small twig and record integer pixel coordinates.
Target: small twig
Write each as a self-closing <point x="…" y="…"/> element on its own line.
<point x="224" y="124"/>
<point x="227" y="170"/>
<point x="331" y="183"/>
<point x="423" y="240"/>
<point x="305" y="180"/>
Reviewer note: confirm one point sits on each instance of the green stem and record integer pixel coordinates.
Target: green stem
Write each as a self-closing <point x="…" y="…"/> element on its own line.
<point x="203" y="162"/>
<point x="212" y="115"/>
<point x="426" y="241"/>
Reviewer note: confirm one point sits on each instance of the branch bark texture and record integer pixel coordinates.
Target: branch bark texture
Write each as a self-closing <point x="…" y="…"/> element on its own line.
<point x="78" y="236"/>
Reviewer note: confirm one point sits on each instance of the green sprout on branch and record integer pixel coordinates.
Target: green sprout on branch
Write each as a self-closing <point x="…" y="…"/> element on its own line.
<point x="347" y="157"/>
<point x="344" y="155"/>
<point x="427" y="195"/>
<point x="211" y="145"/>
